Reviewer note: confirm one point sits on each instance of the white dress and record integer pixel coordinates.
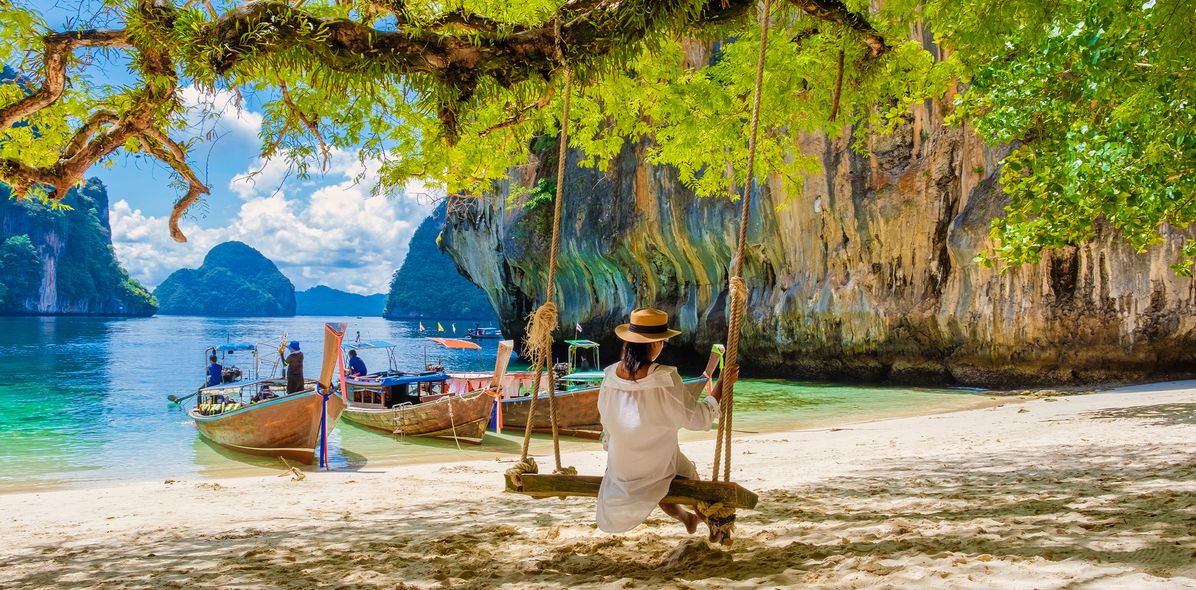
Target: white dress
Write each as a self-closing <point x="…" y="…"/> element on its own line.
<point x="640" y="420"/>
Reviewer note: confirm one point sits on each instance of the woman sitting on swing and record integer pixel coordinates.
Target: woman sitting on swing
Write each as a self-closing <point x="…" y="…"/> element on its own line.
<point x="643" y="405"/>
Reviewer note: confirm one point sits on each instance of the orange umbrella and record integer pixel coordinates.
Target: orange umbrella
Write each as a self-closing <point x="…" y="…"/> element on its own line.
<point x="456" y="343"/>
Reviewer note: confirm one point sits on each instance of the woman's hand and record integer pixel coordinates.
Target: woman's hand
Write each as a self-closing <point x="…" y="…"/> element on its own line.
<point x="731" y="372"/>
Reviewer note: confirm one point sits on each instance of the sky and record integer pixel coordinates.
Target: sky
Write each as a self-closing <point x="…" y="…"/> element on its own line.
<point x="325" y="230"/>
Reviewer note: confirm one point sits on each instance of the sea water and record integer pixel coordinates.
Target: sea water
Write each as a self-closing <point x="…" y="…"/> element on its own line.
<point x="84" y="400"/>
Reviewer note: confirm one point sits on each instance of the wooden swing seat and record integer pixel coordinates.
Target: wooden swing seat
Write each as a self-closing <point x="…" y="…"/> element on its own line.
<point x="687" y="492"/>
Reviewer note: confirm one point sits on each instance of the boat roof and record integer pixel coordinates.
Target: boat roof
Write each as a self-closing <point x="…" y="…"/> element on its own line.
<point x="582" y="343"/>
<point x="582" y="376"/>
<point x="456" y="343"/>
<point x="424" y="377"/>
<point x="245" y="383"/>
<point x="368" y="344"/>
<point x="233" y="346"/>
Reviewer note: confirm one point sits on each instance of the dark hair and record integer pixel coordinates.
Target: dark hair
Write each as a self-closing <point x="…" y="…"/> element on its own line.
<point x="352" y="353"/>
<point x="212" y="358"/>
<point x="636" y="356"/>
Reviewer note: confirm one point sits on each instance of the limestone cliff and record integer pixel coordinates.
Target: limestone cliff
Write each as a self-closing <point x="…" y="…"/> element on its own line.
<point x="61" y="262"/>
<point x="867" y="274"/>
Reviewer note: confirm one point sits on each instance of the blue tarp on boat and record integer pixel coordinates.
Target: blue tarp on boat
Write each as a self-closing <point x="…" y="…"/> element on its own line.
<point x="393" y="380"/>
<point x="420" y="378"/>
<point x="234" y="346"/>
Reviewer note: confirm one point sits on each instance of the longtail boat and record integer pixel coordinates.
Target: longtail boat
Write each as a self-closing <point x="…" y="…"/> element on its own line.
<point x="421" y="404"/>
<point x="287" y="426"/>
<point x="257" y="417"/>
<point x="480" y="333"/>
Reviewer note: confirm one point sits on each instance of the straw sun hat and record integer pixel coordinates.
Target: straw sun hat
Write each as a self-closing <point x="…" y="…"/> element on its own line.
<point x="647" y="325"/>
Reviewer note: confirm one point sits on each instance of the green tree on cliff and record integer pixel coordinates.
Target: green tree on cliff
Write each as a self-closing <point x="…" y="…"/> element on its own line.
<point x="1096" y="96"/>
<point x="20" y="270"/>
<point x="428" y="285"/>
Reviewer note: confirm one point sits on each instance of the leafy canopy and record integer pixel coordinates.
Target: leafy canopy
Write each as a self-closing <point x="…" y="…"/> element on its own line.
<point x="1095" y="95"/>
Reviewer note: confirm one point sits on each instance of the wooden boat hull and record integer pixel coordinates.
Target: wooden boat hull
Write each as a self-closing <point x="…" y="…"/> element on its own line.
<point x="576" y="410"/>
<point x="460" y="416"/>
<point x="287" y="427"/>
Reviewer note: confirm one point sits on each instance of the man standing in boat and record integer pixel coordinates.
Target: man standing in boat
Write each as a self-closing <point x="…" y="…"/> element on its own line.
<point x="294" y="367"/>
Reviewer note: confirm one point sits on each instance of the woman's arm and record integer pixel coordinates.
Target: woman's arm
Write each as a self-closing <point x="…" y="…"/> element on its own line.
<point x="697" y="414"/>
<point x="731" y="372"/>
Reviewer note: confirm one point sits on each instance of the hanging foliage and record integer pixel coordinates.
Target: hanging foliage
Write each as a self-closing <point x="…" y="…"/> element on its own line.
<point x="1095" y="95"/>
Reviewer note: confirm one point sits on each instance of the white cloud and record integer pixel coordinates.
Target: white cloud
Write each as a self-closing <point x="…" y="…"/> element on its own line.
<point x="331" y="233"/>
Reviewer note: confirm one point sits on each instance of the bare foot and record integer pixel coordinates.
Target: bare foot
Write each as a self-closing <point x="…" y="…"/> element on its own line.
<point x="691" y="520"/>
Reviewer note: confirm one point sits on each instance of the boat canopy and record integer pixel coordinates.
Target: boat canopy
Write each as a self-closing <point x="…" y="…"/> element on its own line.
<point x="246" y="383"/>
<point x="368" y="344"/>
<point x="456" y="343"/>
<point x="234" y="346"/>
<point x="582" y="343"/>
<point x="391" y="381"/>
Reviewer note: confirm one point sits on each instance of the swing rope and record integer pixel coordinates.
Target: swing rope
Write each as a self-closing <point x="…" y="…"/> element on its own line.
<point x="720" y="518"/>
<point x="538" y="343"/>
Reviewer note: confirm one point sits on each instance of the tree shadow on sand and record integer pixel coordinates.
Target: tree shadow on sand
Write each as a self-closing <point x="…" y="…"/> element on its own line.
<point x="1158" y="414"/>
<point x="1124" y="510"/>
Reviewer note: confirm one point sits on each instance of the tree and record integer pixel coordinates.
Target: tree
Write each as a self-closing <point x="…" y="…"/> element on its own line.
<point x="455" y="92"/>
<point x="21" y="269"/>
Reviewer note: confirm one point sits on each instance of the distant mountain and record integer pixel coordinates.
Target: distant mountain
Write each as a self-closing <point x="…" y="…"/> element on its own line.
<point x="321" y="300"/>
<point x="234" y="280"/>
<point x="61" y="261"/>
<point x="428" y="284"/>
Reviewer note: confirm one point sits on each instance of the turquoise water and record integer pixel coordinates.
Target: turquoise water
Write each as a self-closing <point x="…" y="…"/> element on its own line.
<point x="83" y="400"/>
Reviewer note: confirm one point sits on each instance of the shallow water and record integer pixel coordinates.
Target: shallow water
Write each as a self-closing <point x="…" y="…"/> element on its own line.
<point x="83" y="400"/>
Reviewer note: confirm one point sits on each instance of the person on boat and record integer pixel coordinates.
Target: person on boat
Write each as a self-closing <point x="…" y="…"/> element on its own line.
<point x="263" y="394"/>
<point x="642" y="406"/>
<point x="294" y="367"/>
<point x="356" y="365"/>
<point x="215" y="372"/>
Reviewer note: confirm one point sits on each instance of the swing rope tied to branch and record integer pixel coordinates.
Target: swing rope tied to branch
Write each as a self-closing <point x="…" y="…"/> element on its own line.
<point x="719" y="516"/>
<point x="542" y="322"/>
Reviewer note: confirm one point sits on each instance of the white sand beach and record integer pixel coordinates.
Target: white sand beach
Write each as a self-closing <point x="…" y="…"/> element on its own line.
<point x="1088" y="491"/>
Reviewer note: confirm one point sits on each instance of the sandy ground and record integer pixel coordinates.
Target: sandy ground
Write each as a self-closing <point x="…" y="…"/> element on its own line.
<point x="1093" y="491"/>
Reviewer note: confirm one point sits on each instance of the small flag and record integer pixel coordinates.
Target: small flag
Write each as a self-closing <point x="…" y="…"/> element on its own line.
<point x="577" y="326"/>
<point x="439" y="328"/>
<point x="421" y="327"/>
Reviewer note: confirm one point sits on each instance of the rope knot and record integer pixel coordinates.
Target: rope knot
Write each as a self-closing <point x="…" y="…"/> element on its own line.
<point x="738" y="288"/>
<point x="515" y="474"/>
<point x="720" y="519"/>
<point x="537" y="346"/>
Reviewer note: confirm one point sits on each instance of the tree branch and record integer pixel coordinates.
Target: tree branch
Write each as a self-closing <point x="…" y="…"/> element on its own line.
<point x="520" y="115"/>
<point x="58" y="48"/>
<point x="308" y="122"/>
<point x="592" y="29"/>
<point x="160" y="146"/>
